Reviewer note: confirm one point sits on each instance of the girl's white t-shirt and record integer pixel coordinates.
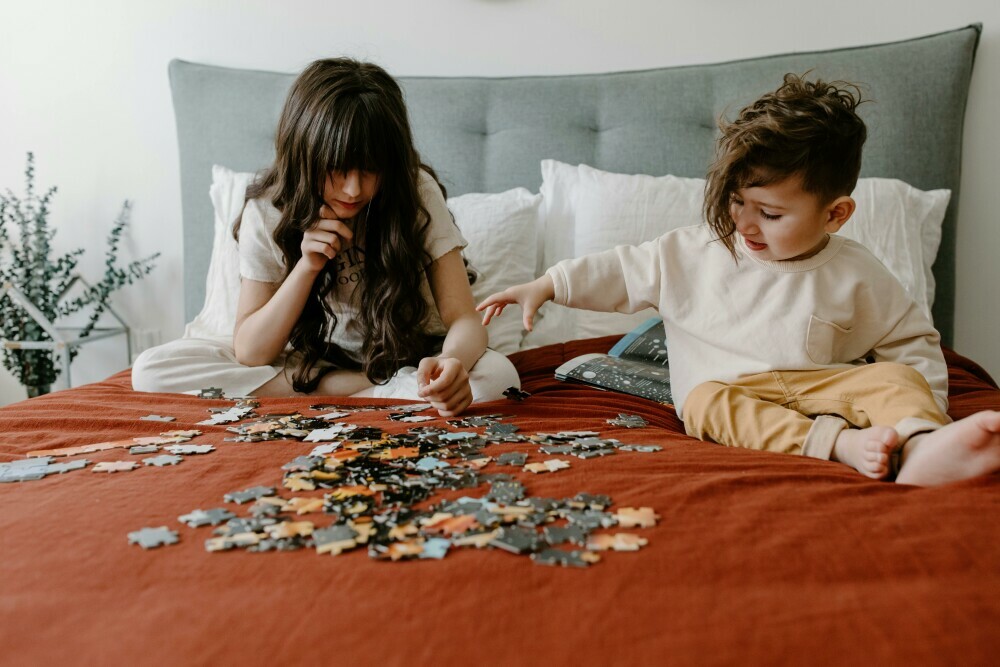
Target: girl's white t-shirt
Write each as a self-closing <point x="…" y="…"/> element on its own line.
<point x="262" y="260"/>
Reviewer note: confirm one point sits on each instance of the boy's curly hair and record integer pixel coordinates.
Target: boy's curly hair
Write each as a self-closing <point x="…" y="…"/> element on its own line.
<point x="805" y="128"/>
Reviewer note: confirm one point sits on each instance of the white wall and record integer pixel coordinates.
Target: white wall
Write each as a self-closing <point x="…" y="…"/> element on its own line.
<point x="84" y="85"/>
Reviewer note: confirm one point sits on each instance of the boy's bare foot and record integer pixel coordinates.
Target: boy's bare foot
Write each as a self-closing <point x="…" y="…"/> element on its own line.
<point x="867" y="450"/>
<point x="967" y="448"/>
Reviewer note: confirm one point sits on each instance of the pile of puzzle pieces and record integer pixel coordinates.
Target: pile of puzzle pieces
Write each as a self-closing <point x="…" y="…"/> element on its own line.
<point x="375" y="490"/>
<point x="373" y="482"/>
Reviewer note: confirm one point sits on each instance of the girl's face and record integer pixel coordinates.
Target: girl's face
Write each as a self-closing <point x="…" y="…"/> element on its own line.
<point x="348" y="192"/>
<point x="782" y="221"/>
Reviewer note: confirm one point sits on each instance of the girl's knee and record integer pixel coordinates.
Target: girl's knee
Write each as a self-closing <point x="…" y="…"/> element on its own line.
<point x="491" y="376"/>
<point x="145" y="368"/>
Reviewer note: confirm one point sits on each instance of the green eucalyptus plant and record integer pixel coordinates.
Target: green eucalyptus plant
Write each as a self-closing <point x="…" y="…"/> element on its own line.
<point x="28" y="264"/>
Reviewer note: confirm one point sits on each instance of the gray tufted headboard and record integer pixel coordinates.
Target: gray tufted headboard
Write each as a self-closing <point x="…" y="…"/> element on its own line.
<point x="489" y="134"/>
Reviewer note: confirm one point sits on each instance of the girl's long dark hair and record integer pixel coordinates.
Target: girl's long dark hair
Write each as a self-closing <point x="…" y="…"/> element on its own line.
<point x="340" y="115"/>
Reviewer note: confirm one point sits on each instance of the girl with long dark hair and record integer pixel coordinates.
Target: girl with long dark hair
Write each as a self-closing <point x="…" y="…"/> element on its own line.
<point x="352" y="277"/>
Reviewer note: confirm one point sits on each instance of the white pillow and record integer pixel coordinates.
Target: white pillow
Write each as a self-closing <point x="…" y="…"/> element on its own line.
<point x="222" y="287"/>
<point x="501" y="231"/>
<point x="586" y="210"/>
<point x="901" y="225"/>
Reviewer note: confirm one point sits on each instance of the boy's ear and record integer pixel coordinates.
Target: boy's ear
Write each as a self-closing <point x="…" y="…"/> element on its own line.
<point x="838" y="212"/>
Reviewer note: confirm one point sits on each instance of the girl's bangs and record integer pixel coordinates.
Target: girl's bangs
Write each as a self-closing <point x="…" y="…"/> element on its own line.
<point x="357" y="140"/>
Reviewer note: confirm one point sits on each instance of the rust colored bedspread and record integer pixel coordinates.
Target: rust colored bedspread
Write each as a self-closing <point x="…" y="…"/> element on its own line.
<point x="758" y="558"/>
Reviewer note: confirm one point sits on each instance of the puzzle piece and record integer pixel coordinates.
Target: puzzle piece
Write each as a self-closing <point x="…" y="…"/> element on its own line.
<point x="163" y="460"/>
<point x="331" y="433"/>
<point x="617" y="542"/>
<point x="551" y="465"/>
<point x="429" y="463"/>
<point x="565" y="558"/>
<point x="330" y="416"/>
<point x="210" y="392"/>
<point x="512" y="459"/>
<point x="628" y="421"/>
<point x="640" y="448"/>
<point x="631" y="517"/>
<point x="156" y="418"/>
<point x="24" y="470"/>
<point x="334" y="540"/>
<point x="501" y="429"/>
<point x="115" y="466"/>
<point x="150" y="538"/>
<point x="189" y="449"/>
<point x="198" y="518"/>
<point x="81" y="449"/>
<point x="515" y="394"/>
<point x="576" y="534"/>
<point x="409" y="418"/>
<point x="229" y="416"/>
<point x="287" y="529"/>
<point x="253" y="493"/>
<point x="436" y="547"/>
<point x="478" y="540"/>
<point x="516" y="539"/>
<point x="228" y="542"/>
<point x="588" y="501"/>
<point x="144" y="449"/>
<point x="302" y="505"/>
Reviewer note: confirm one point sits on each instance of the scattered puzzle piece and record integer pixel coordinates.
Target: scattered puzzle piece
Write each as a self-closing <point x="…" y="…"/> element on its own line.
<point x="190" y="449"/>
<point x="301" y="505"/>
<point x="628" y="421"/>
<point x="617" y="542"/>
<point x="565" y="558"/>
<point x="212" y="517"/>
<point x="551" y="465"/>
<point x="150" y="538"/>
<point x="334" y="540"/>
<point x="115" y="466"/>
<point x="163" y="460"/>
<point x="512" y="459"/>
<point x="515" y="394"/>
<point x="253" y="493"/>
<point x="631" y="517"/>
<point x="210" y="392"/>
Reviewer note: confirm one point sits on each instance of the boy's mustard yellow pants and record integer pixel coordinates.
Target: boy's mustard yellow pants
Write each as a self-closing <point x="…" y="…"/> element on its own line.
<point x="803" y="412"/>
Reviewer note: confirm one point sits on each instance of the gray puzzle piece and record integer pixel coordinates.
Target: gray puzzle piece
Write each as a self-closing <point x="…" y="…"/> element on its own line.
<point x="163" y="460"/>
<point x="212" y="517"/>
<point x="245" y="496"/>
<point x="150" y="538"/>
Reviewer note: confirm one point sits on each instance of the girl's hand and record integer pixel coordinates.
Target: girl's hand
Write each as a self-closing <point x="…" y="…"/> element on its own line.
<point x="444" y="383"/>
<point x="323" y="240"/>
<point x="530" y="296"/>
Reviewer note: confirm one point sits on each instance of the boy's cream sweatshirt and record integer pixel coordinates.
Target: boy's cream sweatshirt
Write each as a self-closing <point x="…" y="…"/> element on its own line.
<point x="726" y="319"/>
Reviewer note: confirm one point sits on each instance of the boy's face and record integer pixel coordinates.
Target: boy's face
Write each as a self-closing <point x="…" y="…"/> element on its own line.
<point x="781" y="221"/>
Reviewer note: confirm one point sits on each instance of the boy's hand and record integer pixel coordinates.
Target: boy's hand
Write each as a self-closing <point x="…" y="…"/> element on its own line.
<point x="323" y="240"/>
<point x="444" y="383"/>
<point x="530" y="296"/>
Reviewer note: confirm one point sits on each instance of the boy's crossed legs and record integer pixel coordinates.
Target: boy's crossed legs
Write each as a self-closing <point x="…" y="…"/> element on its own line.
<point x="811" y="413"/>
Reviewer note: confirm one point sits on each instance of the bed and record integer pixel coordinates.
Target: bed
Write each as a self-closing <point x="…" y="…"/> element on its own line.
<point x="755" y="558"/>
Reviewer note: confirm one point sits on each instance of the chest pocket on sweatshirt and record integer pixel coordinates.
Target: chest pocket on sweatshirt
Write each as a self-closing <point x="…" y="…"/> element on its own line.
<point x="825" y="341"/>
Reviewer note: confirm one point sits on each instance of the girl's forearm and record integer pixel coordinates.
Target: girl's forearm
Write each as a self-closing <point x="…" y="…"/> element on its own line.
<point x="263" y="334"/>
<point x="466" y="340"/>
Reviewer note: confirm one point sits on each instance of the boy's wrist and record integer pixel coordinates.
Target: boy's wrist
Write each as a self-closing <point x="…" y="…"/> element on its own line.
<point x="547" y="287"/>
